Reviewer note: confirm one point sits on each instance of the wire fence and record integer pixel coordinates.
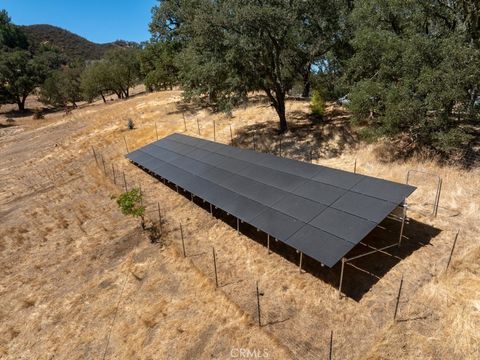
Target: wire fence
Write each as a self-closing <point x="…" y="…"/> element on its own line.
<point x="213" y="263"/>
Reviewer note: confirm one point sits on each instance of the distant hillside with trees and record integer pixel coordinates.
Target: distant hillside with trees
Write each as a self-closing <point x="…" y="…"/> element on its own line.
<point x="73" y="46"/>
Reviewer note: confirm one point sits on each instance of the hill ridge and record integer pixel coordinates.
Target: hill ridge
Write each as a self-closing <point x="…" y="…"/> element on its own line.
<point x="72" y="45"/>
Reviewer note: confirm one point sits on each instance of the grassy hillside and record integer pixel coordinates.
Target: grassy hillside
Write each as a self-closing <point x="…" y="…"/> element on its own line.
<point x="73" y="45"/>
<point x="80" y="280"/>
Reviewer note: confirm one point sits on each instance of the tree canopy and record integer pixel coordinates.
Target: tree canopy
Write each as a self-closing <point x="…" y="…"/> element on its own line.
<point x="22" y="71"/>
<point x="415" y="70"/>
<point x="233" y="47"/>
<point x="116" y="73"/>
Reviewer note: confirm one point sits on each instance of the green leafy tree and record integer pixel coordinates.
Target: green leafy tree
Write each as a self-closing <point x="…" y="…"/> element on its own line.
<point x="130" y="204"/>
<point x="415" y="70"/>
<point x="10" y="35"/>
<point x="233" y="47"/>
<point x="95" y="81"/>
<point x="123" y="70"/>
<point x="158" y="65"/>
<point x="62" y="87"/>
<point x="22" y="71"/>
<point x="116" y="73"/>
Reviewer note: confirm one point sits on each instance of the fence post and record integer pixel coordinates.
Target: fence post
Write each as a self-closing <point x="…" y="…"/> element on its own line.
<point x="398" y="299"/>
<point x="451" y="252"/>
<point x="258" y="306"/>
<point x="231" y="135"/>
<point x="215" y="267"/>
<point x="330" y="356"/>
<point x="125" y="181"/>
<point x="95" y="154"/>
<point x="126" y="146"/>
<point x="437" y="198"/>
<point x="104" y="166"/>
<point x="160" y="218"/>
<point x="114" y="174"/>
<point x="156" y="130"/>
<point x="183" y="242"/>
<point x="355" y="166"/>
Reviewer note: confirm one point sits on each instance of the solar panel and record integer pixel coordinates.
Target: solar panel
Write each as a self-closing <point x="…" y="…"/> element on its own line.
<point x="364" y="206"/>
<point x="276" y="223"/>
<point x="317" y="210"/>
<point x="343" y="225"/>
<point x="320" y="245"/>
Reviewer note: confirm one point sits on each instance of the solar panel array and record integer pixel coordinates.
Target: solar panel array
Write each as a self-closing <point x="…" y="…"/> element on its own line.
<point x="320" y="211"/>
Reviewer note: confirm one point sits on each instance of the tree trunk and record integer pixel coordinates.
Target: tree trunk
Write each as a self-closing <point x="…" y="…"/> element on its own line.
<point x="278" y="102"/>
<point x="280" y="109"/>
<point x="306" y="81"/>
<point x="21" y="103"/>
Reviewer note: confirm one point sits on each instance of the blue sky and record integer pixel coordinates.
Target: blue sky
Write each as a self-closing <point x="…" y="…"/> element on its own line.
<point x="96" y="20"/>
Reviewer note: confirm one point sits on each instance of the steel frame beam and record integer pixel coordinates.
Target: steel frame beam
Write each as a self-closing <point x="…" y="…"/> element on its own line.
<point x="375" y="250"/>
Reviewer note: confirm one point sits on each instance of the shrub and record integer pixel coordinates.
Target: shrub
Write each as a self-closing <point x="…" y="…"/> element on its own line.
<point x="10" y="121"/>
<point x="130" y="203"/>
<point x="130" y="124"/>
<point x="38" y="114"/>
<point x="317" y="104"/>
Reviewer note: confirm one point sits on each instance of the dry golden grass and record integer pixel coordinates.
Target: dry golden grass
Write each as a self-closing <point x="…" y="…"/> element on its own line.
<point x="71" y="263"/>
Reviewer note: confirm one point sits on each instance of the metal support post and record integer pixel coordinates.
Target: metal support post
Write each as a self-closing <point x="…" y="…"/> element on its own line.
<point x="238" y="226"/>
<point x="341" y="279"/>
<point x="268" y="244"/>
<point x="300" y="264"/>
<point x="404" y="215"/>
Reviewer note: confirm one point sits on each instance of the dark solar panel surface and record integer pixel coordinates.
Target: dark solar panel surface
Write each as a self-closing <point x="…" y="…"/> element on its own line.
<point x="320" y="211"/>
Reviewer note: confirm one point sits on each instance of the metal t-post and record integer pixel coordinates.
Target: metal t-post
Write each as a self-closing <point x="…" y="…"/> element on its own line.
<point x="258" y="306"/>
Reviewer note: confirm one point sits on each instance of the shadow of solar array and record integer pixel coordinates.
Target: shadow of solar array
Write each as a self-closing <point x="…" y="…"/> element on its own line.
<point x="320" y="211"/>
